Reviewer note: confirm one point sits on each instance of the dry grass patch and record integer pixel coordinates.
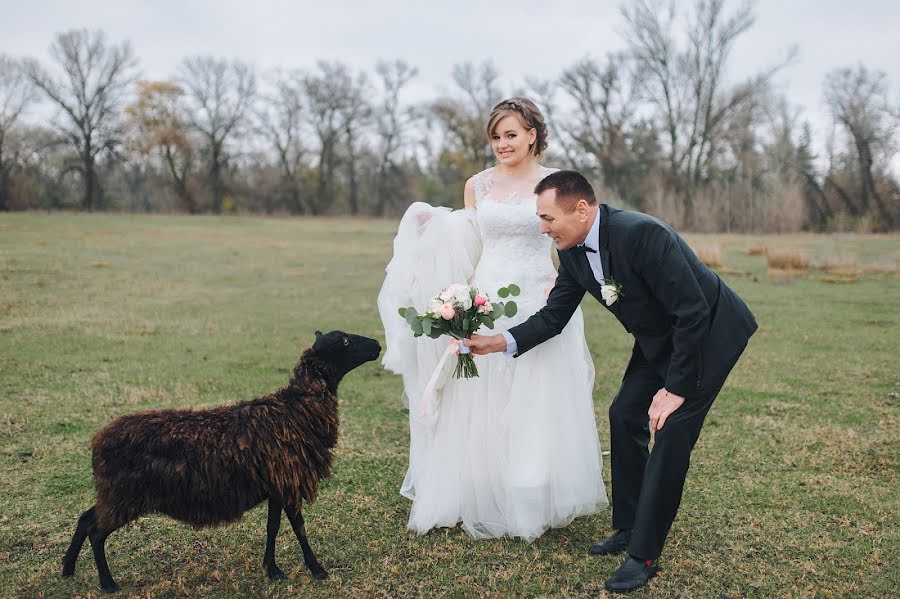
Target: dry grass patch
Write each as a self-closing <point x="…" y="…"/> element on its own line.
<point x="839" y="279"/>
<point x="787" y="260"/>
<point x="711" y="255"/>
<point x="838" y="264"/>
<point x="756" y="250"/>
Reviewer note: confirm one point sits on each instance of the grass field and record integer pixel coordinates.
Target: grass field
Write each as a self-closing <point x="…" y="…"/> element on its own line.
<point x="794" y="488"/>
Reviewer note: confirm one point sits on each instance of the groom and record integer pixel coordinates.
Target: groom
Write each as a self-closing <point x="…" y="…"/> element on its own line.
<point x="689" y="330"/>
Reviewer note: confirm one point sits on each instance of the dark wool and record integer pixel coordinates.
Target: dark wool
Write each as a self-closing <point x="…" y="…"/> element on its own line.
<point x="208" y="467"/>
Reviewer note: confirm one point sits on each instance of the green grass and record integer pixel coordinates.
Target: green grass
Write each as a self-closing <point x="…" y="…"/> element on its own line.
<point x="793" y="489"/>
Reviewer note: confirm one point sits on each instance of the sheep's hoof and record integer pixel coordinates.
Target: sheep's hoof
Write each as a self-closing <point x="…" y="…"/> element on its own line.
<point x="68" y="569"/>
<point x="109" y="585"/>
<point x="318" y="572"/>
<point x="273" y="572"/>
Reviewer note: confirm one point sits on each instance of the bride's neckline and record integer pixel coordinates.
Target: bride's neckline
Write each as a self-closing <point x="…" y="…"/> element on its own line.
<point x="489" y="178"/>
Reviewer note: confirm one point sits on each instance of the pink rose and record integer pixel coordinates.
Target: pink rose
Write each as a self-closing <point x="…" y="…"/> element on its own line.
<point x="480" y="300"/>
<point x="447" y="311"/>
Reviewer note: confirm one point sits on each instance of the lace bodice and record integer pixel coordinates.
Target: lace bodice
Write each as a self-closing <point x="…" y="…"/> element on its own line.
<point x="514" y="250"/>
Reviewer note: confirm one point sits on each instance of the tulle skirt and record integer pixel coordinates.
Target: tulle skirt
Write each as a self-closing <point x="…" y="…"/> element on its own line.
<point x="514" y="451"/>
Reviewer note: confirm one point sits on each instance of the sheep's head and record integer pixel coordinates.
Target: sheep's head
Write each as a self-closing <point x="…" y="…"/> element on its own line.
<point x="345" y="351"/>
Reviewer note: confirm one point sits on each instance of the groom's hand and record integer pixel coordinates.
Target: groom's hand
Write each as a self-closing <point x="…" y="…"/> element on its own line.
<point x="663" y="405"/>
<point x="480" y="344"/>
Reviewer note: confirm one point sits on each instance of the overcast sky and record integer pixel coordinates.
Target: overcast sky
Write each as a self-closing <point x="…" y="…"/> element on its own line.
<point x="522" y="38"/>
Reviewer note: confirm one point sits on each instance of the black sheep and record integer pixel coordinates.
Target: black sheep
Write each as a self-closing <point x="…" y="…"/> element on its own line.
<point x="208" y="467"/>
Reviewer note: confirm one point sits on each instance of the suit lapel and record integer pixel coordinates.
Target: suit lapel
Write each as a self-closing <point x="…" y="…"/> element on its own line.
<point x="604" y="241"/>
<point x="606" y="257"/>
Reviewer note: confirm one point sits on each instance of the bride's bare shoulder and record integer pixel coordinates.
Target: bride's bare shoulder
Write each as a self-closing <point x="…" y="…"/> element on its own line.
<point x="475" y="185"/>
<point x="469" y="193"/>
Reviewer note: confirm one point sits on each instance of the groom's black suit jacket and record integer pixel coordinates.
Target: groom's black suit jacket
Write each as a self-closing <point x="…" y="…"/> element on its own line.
<point x="687" y="323"/>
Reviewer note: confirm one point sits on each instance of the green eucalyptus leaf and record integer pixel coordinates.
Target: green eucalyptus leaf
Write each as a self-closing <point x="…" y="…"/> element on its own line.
<point x="510" y="309"/>
<point x="402" y="312"/>
<point x="488" y="322"/>
<point x="503" y="292"/>
<point x="514" y="289"/>
<point x="417" y="327"/>
<point x="426" y="326"/>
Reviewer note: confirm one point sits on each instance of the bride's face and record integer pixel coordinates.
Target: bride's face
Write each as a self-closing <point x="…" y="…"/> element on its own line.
<point x="510" y="141"/>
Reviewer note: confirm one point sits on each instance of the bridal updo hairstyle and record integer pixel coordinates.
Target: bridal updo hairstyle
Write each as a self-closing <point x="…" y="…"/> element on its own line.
<point x="528" y="114"/>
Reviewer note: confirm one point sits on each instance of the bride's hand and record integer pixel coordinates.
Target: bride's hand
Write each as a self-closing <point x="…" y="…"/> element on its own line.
<point x="422" y="219"/>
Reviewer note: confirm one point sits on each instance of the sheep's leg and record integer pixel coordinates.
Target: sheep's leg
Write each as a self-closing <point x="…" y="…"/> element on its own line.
<point x="98" y="544"/>
<point x="272" y="526"/>
<point x="308" y="556"/>
<point x="86" y="523"/>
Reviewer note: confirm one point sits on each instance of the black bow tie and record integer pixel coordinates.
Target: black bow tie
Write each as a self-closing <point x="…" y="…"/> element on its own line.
<point x="584" y="248"/>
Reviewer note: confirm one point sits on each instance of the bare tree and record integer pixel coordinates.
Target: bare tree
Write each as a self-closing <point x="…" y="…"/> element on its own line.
<point x="687" y="86"/>
<point x="543" y="92"/>
<point x="16" y="94"/>
<point x="355" y="114"/>
<point x="90" y="92"/>
<point x="325" y="96"/>
<point x="606" y="97"/>
<point x="158" y="123"/>
<point x="858" y="101"/>
<point x="221" y="95"/>
<point x="464" y="118"/>
<point x="392" y="124"/>
<point x="818" y="207"/>
<point x="280" y="121"/>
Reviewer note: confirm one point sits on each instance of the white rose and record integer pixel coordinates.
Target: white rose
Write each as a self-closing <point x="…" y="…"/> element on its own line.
<point x="435" y="307"/>
<point x="446" y="295"/>
<point x="610" y="294"/>
<point x="463" y="297"/>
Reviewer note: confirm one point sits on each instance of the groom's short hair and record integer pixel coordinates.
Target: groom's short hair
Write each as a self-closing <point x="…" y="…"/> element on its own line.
<point x="570" y="187"/>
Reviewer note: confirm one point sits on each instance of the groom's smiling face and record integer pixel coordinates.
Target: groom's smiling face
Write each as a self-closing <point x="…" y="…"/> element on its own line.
<point x="565" y="224"/>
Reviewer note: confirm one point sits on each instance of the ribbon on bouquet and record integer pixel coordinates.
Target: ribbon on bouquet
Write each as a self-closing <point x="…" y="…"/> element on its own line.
<point x="453" y="347"/>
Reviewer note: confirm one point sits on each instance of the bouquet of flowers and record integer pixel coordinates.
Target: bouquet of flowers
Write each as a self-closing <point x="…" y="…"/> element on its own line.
<point x="459" y="311"/>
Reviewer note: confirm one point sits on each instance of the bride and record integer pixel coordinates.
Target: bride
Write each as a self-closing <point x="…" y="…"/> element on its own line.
<point x="514" y="451"/>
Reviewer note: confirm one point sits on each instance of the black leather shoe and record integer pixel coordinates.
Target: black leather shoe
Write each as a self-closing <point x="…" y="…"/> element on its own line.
<point x="631" y="575"/>
<point x="617" y="543"/>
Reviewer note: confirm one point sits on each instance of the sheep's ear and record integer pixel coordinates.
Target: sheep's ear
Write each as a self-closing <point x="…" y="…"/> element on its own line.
<point x="318" y="334"/>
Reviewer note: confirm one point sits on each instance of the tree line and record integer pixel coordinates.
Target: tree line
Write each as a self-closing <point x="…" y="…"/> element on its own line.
<point x="657" y="127"/>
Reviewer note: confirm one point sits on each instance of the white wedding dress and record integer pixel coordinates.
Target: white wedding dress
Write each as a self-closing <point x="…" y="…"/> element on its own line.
<point x="514" y="451"/>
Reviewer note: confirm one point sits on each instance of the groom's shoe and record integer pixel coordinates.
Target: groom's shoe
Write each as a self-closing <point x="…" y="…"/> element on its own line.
<point x="631" y="575"/>
<point x="617" y="543"/>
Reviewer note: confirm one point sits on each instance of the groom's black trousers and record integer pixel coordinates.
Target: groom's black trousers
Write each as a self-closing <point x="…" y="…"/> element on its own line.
<point x="647" y="486"/>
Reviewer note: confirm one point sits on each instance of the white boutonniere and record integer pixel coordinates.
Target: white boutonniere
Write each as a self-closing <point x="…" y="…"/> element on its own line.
<point x="611" y="291"/>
